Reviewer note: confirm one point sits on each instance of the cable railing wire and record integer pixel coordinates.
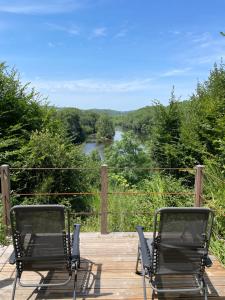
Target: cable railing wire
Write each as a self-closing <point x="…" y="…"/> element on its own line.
<point x="109" y="167"/>
<point x="99" y="193"/>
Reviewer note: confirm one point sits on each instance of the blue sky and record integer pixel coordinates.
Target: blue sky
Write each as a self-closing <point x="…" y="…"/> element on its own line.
<point x="118" y="54"/>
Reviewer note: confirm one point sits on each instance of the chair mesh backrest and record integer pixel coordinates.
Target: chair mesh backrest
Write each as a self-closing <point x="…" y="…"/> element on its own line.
<point x="183" y="236"/>
<point x="39" y="233"/>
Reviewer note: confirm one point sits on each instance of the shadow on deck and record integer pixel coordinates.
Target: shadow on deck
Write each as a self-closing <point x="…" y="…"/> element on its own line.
<point x="107" y="272"/>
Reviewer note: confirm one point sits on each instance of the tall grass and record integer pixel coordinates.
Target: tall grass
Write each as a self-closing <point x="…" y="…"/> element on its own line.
<point x="126" y="212"/>
<point x="214" y="197"/>
<point x="3" y="238"/>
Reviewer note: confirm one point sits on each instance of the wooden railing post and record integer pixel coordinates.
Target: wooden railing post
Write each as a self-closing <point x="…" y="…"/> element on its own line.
<point x="198" y="185"/>
<point x="104" y="199"/>
<point x="5" y="188"/>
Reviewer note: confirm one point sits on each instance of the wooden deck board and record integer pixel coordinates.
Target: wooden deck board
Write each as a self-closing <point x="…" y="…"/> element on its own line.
<point x="107" y="273"/>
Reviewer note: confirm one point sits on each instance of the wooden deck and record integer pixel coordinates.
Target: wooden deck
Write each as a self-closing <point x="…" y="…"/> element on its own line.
<point x="107" y="272"/>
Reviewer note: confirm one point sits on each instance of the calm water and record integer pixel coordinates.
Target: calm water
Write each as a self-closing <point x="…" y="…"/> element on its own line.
<point x="90" y="146"/>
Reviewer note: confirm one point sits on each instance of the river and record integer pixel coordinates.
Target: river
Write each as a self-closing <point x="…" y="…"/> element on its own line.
<point x="92" y="145"/>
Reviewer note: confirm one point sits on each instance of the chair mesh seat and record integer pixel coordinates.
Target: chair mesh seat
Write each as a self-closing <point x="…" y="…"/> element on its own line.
<point x="42" y="249"/>
<point x="178" y="262"/>
<point x="42" y="243"/>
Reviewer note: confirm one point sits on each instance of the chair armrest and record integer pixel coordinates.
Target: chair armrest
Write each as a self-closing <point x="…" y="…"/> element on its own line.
<point x="145" y="251"/>
<point x="76" y="243"/>
<point x="12" y="258"/>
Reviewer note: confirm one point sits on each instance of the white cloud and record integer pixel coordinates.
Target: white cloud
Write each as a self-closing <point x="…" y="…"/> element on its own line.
<point x="99" y="32"/>
<point x="92" y="85"/>
<point x="175" y="32"/>
<point x="40" y="6"/>
<point x="121" y="33"/>
<point x="205" y="49"/>
<point x="51" y="45"/>
<point x="202" y="38"/>
<point x="72" y="29"/>
<point x="54" y="45"/>
<point x="176" y="72"/>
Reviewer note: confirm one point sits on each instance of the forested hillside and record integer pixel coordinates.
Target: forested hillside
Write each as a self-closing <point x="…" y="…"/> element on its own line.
<point x="178" y="135"/>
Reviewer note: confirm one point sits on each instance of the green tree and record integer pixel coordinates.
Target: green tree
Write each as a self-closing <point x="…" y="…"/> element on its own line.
<point x="127" y="158"/>
<point x="88" y="122"/>
<point x="20" y="114"/>
<point x="203" y="119"/>
<point x="105" y="128"/>
<point x="70" y="117"/>
<point x="166" y="134"/>
<point x="48" y="150"/>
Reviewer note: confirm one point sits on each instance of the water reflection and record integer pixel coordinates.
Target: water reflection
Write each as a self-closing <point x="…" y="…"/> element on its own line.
<point x="92" y="145"/>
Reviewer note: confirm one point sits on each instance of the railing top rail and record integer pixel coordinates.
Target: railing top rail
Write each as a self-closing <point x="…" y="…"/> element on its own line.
<point x="94" y="168"/>
<point x="99" y="193"/>
<point x="51" y="168"/>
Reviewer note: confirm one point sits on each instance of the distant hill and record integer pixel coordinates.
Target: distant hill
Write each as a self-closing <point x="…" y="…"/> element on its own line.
<point x="109" y="112"/>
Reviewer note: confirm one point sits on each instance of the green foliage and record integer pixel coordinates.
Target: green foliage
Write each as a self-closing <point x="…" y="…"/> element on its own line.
<point x="105" y="128"/>
<point x="130" y="211"/>
<point x="128" y="158"/>
<point x="140" y="121"/>
<point x="214" y="195"/>
<point x="204" y="119"/>
<point x="166" y="136"/>
<point x="3" y="239"/>
<point x="70" y="117"/>
<point x="47" y="150"/>
<point x="218" y="248"/>
<point x="88" y="122"/>
<point x="20" y="114"/>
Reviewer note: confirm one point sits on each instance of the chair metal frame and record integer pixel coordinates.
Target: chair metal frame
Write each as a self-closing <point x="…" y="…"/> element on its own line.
<point x="147" y="255"/>
<point x="73" y="252"/>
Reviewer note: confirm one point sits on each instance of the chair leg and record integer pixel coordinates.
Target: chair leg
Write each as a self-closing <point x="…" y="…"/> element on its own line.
<point x="75" y="281"/>
<point x="139" y="259"/>
<point x="144" y="283"/>
<point x="137" y="262"/>
<point x="14" y="286"/>
<point x="205" y="291"/>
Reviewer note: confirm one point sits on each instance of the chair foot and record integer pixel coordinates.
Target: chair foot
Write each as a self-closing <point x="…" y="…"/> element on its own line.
<point x="138" y="273"/>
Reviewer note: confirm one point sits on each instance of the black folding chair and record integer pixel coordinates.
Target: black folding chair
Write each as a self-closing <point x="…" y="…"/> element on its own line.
<point x="179" y="247"/>
<point x="42" y="243"/>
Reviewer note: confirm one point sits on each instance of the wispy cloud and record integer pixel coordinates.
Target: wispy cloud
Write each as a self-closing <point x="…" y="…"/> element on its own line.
<point x="54" y="45"/>
<point x="175" y="32"/>
<point x="93" y="85"/>
<point x="122" y="33"/>
<point x="99" y="32"/>
<point x="71" y="29"/>
<point x="201" y="38"/>
<point x="176" y="72"/>
<point x="205" y="49"/>
<point x="40" y="6"/>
